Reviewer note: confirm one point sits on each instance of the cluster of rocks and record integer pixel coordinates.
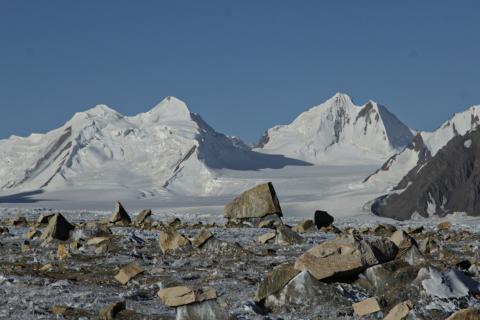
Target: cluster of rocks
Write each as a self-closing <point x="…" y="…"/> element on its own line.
<point x="253" y="267"/>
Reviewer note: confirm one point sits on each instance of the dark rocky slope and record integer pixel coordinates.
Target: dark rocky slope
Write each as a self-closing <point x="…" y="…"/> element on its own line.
<point x="449" y="182"/>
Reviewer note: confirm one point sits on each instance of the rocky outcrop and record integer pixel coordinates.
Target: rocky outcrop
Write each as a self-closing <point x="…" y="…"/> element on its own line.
<point x="58" y="228"/>
<point x="448" y="182"/>
<point x="322" y="219"/>
<point x="120" y="215"/>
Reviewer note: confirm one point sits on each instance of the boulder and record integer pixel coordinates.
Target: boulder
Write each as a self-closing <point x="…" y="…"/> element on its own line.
<point x="304" y="226"/>
<point x="275" y="280"/>
<point x="400" y="311"/>
<point x="466" y="314"/>
<point x="110" y="311"/>
<point x="286" y="236"/>
<point x="310" y="299"/>
<point x="183" y="295"/>
<point x="120" y="215"/>
<point x="384" y="230"/>
<point x="170" y="240"/>
<point x="202" y="237"/>
<point x="34" y="233"/>
<point x="96" y="240"/>
<point x="366" y="306"/>
<point x="141" y="217"/>
<point x="445" y="225"/>
<point x="128" y="272"/>
<point x="403" y="241"/>
<point x="62" y="252"/>
<point x="44" y="218"/>
<point x="254" y="203"/>
<point x="58" y="228"/>
<point x="341" y="258"/>
<point x="209" y="309"/>
<point x="322" y="219"/>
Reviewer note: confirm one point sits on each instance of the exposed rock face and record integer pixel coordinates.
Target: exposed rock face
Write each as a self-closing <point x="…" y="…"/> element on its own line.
<point x="58" y="228"/>
<point x="344" y="257"/>
<point x="275" y="280"/>
<point x="120" y="215"/>
<point x="403" y="241"/>
<point x="254" y="203"/>
<point x="448" y="182"/>
<point x="322" y="219"/>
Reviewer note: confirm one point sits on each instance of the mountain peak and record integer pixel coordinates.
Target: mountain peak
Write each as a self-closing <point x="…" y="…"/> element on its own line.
<point x="170" y="108"/>
<point x="99" y="111"/>
<point x="341" y="99"/>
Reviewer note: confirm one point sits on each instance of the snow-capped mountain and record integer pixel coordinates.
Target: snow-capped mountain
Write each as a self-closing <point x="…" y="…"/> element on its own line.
<point x="424" y="146"/>
<point x="341" y="131"/>
<point x="166" y="148"/>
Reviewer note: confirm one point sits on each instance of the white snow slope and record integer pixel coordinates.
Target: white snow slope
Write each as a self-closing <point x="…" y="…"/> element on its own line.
<point x="424" y="146"/>
<point x="339" y="131"/>
<point x="165" y="149"/>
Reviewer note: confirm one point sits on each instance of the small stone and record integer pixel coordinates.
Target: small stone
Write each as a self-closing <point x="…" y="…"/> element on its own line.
<point x="34" y="233"/>
<point x="171" y="240"/>
<point x="110" y="311"/>
<point x="400" y="311"/>
<point x="183" y="295"/>
<point x="210" y="310"/>
<point x="96" y="241"/>
<point x="60" y="310"/>
<point x="202" y="237"/>
<point x="445" y="225"/>
<point x="18" y="221"/>
<point x="384" y="230"/>
<point x="322" y="219"/>
<point x="47" y="268"/>
<point x="25" y="246"/>
<point x="286" y="236"/>
<point x="103" y="247"/>
<point x="157" y="270"/>
<point x="264" y="238"/>
<point x="141" y="217"/>
<point x="366" y="306"/>
<point x="62" y="252"/>
<point x="174" y="222"/>
<point x="304" y="226"/>
<point x="127" y="273"/>
<point x="58" y="228"/>
<point x="120" y="215"/>
<point x="416" y="230"/>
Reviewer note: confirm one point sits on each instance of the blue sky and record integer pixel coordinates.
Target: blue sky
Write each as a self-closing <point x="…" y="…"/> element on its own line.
<point x="243" y="65"/>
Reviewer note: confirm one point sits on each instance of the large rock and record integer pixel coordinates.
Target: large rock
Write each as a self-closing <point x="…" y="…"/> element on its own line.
<point x="366" y="306"/>
<point x="400" y="311"/>
<point x="403" y="241"/>
<point x="310" y="299"/>
<point x="275" y="280"/>
<point x="170" y="240"/>
<point x="203" y="236"/>
<point x="254" y="203"/>
<point x="209" y="309"/>
<point x="58" y="228"/>
<point x="142" y="217"/>
<point x="322" y="219"/>
<point x="183" y="295"/>
<point x="466" y="314"/>
<point x="341" y="258"/>
<point x="120" y="215"/>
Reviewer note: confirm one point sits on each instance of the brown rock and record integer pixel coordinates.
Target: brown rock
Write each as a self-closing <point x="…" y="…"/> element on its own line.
<point x="60" y="310"/>
<point x="46" y="268"/>
<point x="445" y="225"/>
<point x="202" y="237"/>
<point x="141" y="217"/>
<point x="171" y="240"/>
<point x="275" y="280"/>
<point x="304" y="226"/>
<point x="34" y="233"/>
<point x="403" y="241"/>
<point x="45" y="218"/>
<point x="366" y="306"/>
<point x="128" y="272"/>
<point x="264" y="238"/>
<point x="62" y="252"/>
<point x="466" y="314"/>
<point x="400" y="311"/>
<point x="120" y="215"/>
<point x="110" y="311"/>
<point x="18" y="221"/>
<point x="58" y="228"/>
<point x="183" y="295"/>
<point x="254" y="203"/>
<point x="286" y="236"/>
<point x="96" y="240"/>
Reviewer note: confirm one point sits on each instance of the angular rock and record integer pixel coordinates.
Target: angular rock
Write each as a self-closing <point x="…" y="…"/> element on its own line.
<point x="58" y="228"/>
<point x="275" y="280"/>
<point x="286" y="236"/>
<point x="141" y="217"/>
<point x="34" y="233"/>
<point x="44" y="218"/>
<point x="445" y="225"/>
<point x="209" y="309"/>
<point x="366" y="306"/>
<point x="428" y="245"/>
<point x="384" y="230"/>
<point x="62" y="252"/>
<point x="18" y="221"/>
<point x="171" y="240"/>
<point x="110" y="311"/>
<point x="322" y="219"/>
<point x="466" y="314"/>
<point x="120" y="215"/>
<point x="96" y="240"/>
<point x="304" y="226"/>
<point x="254" y="203"/>
<point x="202" y="237"/>
<point x="400" y="311"/>
<point x="344" y="257"/>
<point x="403" y="241"/>
<point x="264" y="238"/>
<point x="60" y="310"/>
<point x="128" y="272"/>
<point x="183" y="295"/>
<point x="413" y="256"/>
<point x="451" y="284"/>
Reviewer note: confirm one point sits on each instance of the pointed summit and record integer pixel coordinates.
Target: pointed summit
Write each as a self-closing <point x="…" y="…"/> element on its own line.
<point x="170" y="108"/>
<point x="340" y="99"/>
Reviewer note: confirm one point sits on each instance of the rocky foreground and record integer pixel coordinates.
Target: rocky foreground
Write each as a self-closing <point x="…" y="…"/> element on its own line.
<point x="252" y="267"/>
